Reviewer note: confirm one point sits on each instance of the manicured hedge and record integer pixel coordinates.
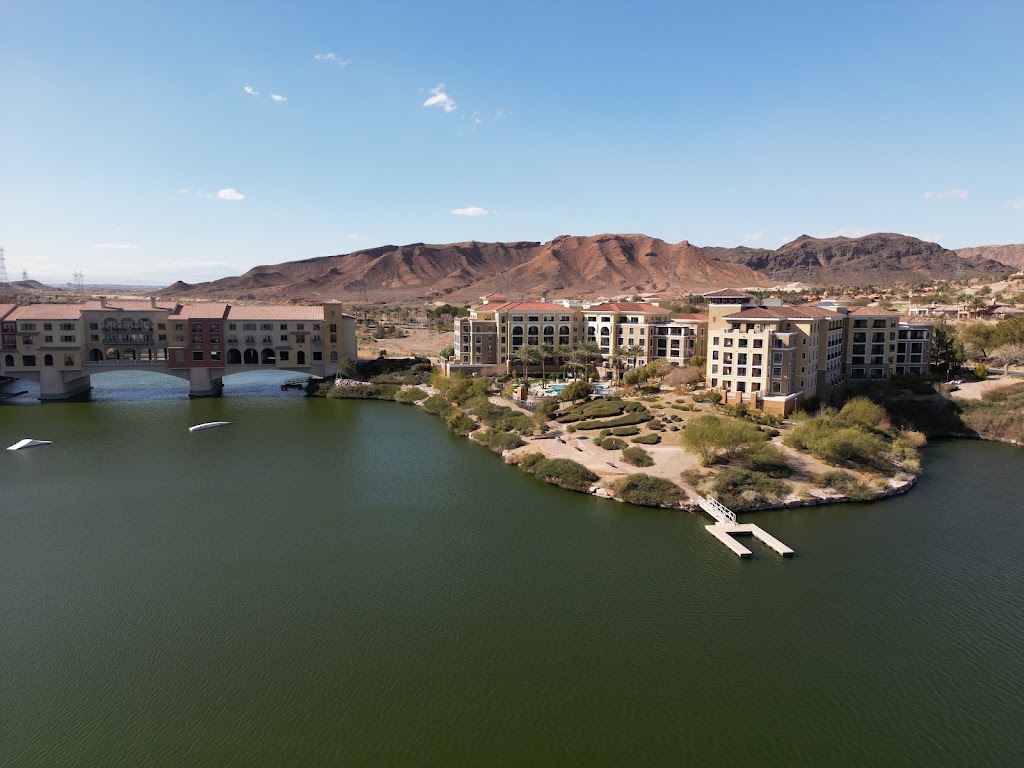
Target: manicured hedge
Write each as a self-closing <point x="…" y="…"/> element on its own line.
<point x="638" y="457"/>
<point x="648" y="439"/>
<point x="619" y="421"/>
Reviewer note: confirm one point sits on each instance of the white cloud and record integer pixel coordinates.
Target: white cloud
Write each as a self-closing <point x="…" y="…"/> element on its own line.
<point x="182" y="191"/>
<point x="753" y="237"/>
<point x="949" y="194"/>
<point x="471" y="211"/>
<point x="1018" y="204"/>
<point x="332" y="57"/>
<point x="116" y="246"/>
<point x="439" y="98"/>
<point x="500" y="113"/>
<point x="278" y="97"/>
<point x="251" y="91"/>
<point x="230" y="193"/>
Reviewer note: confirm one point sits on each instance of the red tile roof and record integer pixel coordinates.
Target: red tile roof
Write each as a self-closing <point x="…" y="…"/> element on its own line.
<point x="783" y="313"/>
<point x="46" y="312"/>
<point x="625" y="306"/>
<point x="129" y="305"/>
<point x="727" y="293"/>
<point x="276" y="312"/>
<point x="204" y="311"/>
<point x="5" y="308"/>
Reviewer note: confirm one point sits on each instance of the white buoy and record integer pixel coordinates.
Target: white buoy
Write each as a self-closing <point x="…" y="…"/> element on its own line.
<point x="28" y="442"/>
<point x="208" y="425"/>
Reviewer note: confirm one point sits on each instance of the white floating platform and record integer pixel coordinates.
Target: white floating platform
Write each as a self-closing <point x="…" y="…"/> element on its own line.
<point x="28" y="442"/>
<point x="724" y="532"/>
<point x="208" y="425"/>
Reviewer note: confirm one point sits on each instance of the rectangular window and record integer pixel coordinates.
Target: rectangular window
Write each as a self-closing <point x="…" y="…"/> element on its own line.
<point x="317" y="356"/>
<point x="284" y="337"/>
<point x="284" y="326"/>
<point x="282" y="355"/>
<point x="28" y="361"/>
<point x="68" y="339"/>
<point x="67" y="326"/>
<point x="215" y="354"/>
<point x="776" y="373"/>
<point x="48" y="338"/>
<point x="47" y="326"/>
<point x="197" y="355"/>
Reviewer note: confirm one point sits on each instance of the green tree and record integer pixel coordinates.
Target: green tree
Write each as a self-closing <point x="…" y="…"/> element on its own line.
<point x="543" y="353"/>
<point x="947" y="349"/>
<point x="591" y="351"/>
<point x="618" y="353"/>
<point x="711" y="437"/>
<point x="577" y="390"/>
<point x="979" y="338"/>
<point x="634" y="351"/>
<point x="446" y="352"/>
<point x="347" y="367"/>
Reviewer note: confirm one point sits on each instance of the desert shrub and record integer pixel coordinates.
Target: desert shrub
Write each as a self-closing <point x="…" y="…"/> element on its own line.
<point x="649" y="439"/>
<point x="863" y="412"/>
<point x="437" y="405"/>
<point x="352" y="392"/>
<point x="613" y="444"/>
<point x="565" y="473"/>
<point x="459" y="422"/>
<point x="624" y="420"/>
<point x="577" y="390"/>
<point x="597" y="440"/>
<point x="499" y="442"/>
<point x="844" y="483"/>
<point x="411" y="395"/>
<point x="638" y="457"/>
<point x="606" y="432"/>
<point x="913" y="439"/>
<point x="529" y="461"/>
<point x="981" y="371"/>
<point x="737" y="488"/>
<point x="648" y="491"/>
<point x="625" y="431"/>
<point x="634" y="407"/>
<point x="547" y="406"/>
<point x="655" y="424"/>
<point x="768" y="460"/>
<point x="713" y="438"/>
<point x="850" y="445"/>
<point x="515" y="421"/>
<point x="487" y="412"/>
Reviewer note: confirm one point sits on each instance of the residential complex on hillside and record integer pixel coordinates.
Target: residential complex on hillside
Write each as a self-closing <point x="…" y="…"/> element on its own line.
<point x="61" y="345"/>
<point x="767" y="355"/>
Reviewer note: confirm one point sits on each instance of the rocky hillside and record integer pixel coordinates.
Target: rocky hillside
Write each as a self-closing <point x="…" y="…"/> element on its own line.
<point x="600" y="264"/>
<point x="583" y="266"/>
<point x="1011" y="255"/>
<point x="872" y="259"/>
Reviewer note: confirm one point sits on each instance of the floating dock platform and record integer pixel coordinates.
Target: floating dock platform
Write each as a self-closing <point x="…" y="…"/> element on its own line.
<point x="725" y="532"/>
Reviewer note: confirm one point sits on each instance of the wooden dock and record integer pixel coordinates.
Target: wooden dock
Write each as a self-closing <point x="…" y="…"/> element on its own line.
<point x="725" y="532"/>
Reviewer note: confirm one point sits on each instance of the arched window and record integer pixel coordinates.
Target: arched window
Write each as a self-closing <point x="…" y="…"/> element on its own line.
<point x="300" y="358"/>
<point x="9" y="360"/>
<point x="129" y="354"/>
<point x="268" y="357"/>
<point x="113" y="354"/>
<point x="251" y="357"/>
<point x="48" y="360"/>
<point x="234" y="357"/>
<point x="334" y="357"/>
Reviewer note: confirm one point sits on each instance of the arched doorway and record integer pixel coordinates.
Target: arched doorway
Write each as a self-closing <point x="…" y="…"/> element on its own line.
<point x="47" y="359"/>
<point x="113" y="354"/>
<point x="300" y="358"/>
<point x="251" y="357"/>
<point x="95" y="355"/>
<point x="129" y="354"/>
<point x="161" y="353"/>
<point x="268" y="357"/>
<point x="234" y="357"/>
<point x="9" y="360"/>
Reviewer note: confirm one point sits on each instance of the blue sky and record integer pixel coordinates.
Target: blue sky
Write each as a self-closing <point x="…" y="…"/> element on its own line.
<point x="131" y="150"/>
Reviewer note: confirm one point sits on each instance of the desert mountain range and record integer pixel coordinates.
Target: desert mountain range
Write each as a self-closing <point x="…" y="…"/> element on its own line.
<point x="571" y="266"/>
<point x="1011" y="255"/>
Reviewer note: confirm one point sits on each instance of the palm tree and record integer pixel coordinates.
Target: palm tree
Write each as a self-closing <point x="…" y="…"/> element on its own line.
<point x="634" y="351"/>
<point x="575" y="360"/>
<point x="524" y="356"/>
<point x="563" y="351"/>
<point x="543" y="352"/>
<point x="616" y="358"/>
<point x="590" y="350"/>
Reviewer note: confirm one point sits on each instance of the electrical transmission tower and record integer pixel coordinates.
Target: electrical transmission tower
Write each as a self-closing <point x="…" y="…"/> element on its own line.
<point x="79" y="282"/>
<point x="3" y="268"/>
<point x="959" y="266"/>
<point x="810" y="266"/>
<point x="363" y="296"/>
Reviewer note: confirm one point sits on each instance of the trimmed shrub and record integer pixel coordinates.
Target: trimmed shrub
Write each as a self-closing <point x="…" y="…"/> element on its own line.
<point x="625" y="431"/>
<point x="638" y="457"/>
<point x="649" y="439"/>
<point x="624" y="420"/>
<point x="648" y="491"/>
<point x="612" y="444"/>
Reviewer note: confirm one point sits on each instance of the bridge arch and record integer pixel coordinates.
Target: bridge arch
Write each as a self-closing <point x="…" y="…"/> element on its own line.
<point x="95" y="355"/>
<point x="113" y="354"/>
<point x="130" y="354"/>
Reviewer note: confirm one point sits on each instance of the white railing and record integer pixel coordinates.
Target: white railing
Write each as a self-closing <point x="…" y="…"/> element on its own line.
<point x="716" y="509"/>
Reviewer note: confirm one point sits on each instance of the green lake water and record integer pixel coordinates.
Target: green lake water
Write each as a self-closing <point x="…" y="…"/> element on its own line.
<point x="345" y="583"/>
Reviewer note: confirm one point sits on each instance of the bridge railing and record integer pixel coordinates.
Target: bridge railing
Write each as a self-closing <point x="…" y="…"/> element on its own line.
<point x="124" y="362"/>
<point x="716" y="509"/>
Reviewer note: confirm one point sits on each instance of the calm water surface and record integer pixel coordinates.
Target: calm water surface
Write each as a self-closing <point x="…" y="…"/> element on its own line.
<point x="344" y="583"/>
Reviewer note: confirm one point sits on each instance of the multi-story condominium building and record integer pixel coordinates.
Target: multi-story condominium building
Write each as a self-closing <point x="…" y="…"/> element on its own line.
<point x="61" y="345"/>
<point x="870" y="344"/>
<point x="913" y="347"/>
<point x="495" y="329"/>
